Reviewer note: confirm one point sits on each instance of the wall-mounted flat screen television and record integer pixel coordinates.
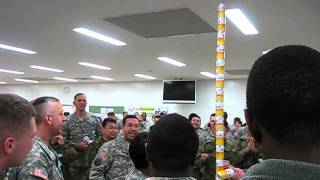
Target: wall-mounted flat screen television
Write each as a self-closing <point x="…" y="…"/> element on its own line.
<point x="179" y="91"/>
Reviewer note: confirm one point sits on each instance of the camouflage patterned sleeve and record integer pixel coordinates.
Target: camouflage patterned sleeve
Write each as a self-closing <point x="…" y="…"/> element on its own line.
<point x="98" y="127"/>
<point x="101" y="163"/>
<point x="234" y="151"/>
<point x="92" y="151"/>
<point x="33" y="170"/>
<point x="66" y="131"/>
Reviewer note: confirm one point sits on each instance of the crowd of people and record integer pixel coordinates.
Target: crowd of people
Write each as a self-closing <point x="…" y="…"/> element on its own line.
<point x="278" y="141"/>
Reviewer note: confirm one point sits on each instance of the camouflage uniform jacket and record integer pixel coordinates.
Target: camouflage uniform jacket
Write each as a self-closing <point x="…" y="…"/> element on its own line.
<point x="112" y="161"/>
<point x="93" y="149"/>
<point x="41" y="163"/>
<point x="233" y="153"/>
<point x="170" y="178"/>
<point x="205" y="136"/>
<point x="3" y="175"/>
<point x="135" y="174"/>
<point x="75" y="130"/>
<point x="199" y="131"/>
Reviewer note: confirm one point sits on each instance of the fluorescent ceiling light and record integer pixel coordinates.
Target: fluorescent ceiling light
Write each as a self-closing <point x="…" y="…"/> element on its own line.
<point x="94" y="65"/>
<point x="2" y="82"/>
<point x="144" y="76"/>
<point x="11" y="48"/>
<point x="241" y="21"/>
<point x="208" y="74"/>
<point x="10" y="71"/>
<point x="26" y="80"/>
<point x="171" y="61"/>
<point x="65" y="79"/>
<point x="101" y="78"/>
<point x="46" y="68"/>
<point x="98" y="36"/>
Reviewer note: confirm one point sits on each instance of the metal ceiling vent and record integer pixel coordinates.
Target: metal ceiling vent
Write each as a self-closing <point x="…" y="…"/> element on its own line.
<point x="237" y="72"/>
<point x="163" y="23"/>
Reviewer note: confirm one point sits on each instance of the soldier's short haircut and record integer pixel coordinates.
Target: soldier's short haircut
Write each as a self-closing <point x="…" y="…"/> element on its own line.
<point x="108" y="120"/>
<point x="137" y="151"/>
<point x="283" y="96"/>
<point x="78" y="94"/>
<point x="237" y="119"/>
<point x="124" y="121"/>
<point x="15" y="114"/>
<point x="111" y="114"/>
<point x="40" y="106"/>
<point x="192" y="115"/>
<point x="172" y="144"/>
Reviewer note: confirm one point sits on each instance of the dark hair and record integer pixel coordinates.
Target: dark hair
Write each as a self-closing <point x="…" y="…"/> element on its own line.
<point x="192" y="115"/>
<point x="15" y="114"/>
<point x="108" y="120"/>
<point x="236" y="119"/>
<point x="137" y="151"/>
<point x="225" y="115"/>
<point x="173" y="143"/>
<point x="111" y="114"/>
<point x="66" y="114"/>
<point x="78" y="94"/>
<point x="124" y="113"/>
<point x="213" y="114"/>
<point x="283" y="95"/>
<point x="124" y="121"/>
<point x="157" y="116"/>
<point x="40" y="108"/>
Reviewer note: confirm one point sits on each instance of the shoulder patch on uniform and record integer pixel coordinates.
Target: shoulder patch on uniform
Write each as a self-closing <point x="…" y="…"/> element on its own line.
<point x="103" y="155"/>
<point x="40" y="173"/>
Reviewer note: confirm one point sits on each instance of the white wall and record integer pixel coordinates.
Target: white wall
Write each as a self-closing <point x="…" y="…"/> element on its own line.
<point x="141" y="94"/>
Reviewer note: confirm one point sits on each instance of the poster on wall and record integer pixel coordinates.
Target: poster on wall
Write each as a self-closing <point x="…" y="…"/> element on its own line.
<point x="102" y="111"/>
<point x="149" y="110"/>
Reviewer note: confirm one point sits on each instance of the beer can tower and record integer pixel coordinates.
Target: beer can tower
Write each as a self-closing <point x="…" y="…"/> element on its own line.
<point x="220" y="62"/>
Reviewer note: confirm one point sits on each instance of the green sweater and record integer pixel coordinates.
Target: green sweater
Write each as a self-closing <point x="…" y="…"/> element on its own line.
<point x="278" y="169"/>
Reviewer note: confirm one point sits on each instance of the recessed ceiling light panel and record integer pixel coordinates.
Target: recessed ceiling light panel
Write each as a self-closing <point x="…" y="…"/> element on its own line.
<point x="99" y="36"/>
<point x="21" y="50"/>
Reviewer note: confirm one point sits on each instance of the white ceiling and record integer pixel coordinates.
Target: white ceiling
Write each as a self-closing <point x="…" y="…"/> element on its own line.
<point x="45" y="26"/>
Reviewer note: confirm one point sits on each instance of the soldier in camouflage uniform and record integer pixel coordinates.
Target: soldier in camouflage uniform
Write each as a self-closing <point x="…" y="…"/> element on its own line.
<point x="42" y="161"/>
<point x="137" y="151"/>
<point x="208" y="134"/>
<point x="81" y="129"/>
<point x="238" y="152"/>
<point x="113" y="161"/>
<point x="109" y="132"/>
<point x="196" y="122"/>
<point x="66" y="154"/>
<point x="17" y="129"/>
<point x="172" y="136"/>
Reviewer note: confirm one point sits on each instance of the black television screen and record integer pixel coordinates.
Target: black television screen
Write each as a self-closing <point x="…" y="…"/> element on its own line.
<point x="179" y="91"/>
